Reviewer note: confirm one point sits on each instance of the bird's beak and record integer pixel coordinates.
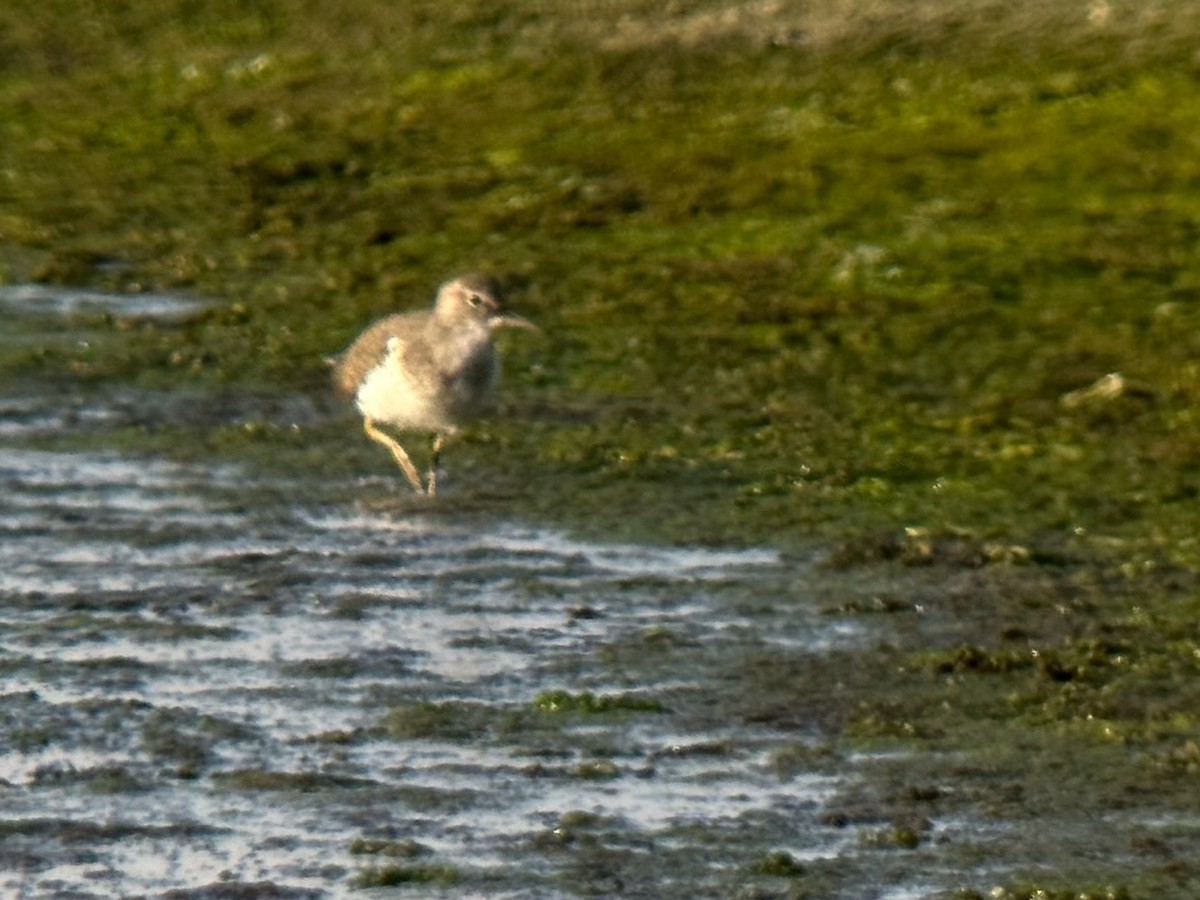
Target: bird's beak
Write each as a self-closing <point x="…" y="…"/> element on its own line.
<point x="508" y="320"/>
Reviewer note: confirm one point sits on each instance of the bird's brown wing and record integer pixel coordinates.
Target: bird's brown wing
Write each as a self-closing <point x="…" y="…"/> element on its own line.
<point x="368" y="351"/>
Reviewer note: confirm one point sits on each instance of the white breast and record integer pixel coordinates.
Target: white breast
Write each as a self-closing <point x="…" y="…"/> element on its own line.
<point x="389" y="395"/>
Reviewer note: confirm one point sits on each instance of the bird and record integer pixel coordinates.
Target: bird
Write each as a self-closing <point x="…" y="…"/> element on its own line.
<point x="428" y="370"/>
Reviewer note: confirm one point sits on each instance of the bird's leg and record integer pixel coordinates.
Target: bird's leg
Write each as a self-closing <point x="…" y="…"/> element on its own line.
<point x="398" y="454"/>
<point x="439" y="441"/>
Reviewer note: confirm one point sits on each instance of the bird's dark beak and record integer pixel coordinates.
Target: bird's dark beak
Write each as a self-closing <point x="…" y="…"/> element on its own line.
<point x="508" y="320"/>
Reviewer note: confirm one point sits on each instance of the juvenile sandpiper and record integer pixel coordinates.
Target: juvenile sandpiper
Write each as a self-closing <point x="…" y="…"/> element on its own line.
<point x="432" y="370"/>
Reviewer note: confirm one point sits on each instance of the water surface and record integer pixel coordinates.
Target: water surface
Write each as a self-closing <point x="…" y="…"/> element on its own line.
<point x="198" y="689"/>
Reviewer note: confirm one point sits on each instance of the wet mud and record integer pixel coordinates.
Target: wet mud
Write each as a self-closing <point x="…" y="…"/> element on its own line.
<point x="200" y="686"/>
<point x="218" y="681"/>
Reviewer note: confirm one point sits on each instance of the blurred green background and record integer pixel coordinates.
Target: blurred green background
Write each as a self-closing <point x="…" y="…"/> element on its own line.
<point x="804" y="268"/>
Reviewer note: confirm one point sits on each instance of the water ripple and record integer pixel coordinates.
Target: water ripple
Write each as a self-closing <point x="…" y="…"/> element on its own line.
<point x="207" y="690"/>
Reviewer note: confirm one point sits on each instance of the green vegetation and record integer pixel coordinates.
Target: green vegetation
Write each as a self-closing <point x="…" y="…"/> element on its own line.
<point x="921" y="282"/>
<point x="441" y="721"/>
<point x="392" y="876"/>
<point x="780" y="864"/>
<point x="378" y="847"/>
<point x="800" y="271"/>
<point x="287" y="782"/>
<point x="588" y="703"/>
<point x="1025" y="892"/>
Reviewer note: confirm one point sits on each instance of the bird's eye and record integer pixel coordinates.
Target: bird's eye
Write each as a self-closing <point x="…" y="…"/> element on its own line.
<point x="474" y="299"/>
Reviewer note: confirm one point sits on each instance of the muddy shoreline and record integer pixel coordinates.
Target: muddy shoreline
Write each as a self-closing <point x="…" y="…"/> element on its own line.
<point x="297" y="697"/>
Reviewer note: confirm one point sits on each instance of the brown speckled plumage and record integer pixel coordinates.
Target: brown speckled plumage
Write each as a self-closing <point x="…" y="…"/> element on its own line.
<point x="431" y="370"/>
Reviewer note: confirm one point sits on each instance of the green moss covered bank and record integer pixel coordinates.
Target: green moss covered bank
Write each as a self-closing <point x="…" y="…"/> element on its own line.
<point x="801" y="271"/>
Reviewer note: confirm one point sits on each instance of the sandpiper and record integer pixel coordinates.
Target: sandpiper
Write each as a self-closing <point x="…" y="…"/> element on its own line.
<point x="431" y="370"/>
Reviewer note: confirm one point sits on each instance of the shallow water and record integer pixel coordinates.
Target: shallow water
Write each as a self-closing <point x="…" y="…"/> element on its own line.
<point x="161" y="640"/>
<point x="54" y="301"/>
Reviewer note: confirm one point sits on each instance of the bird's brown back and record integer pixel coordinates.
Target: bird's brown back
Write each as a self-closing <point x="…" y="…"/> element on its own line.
<point x="369" y="349"/>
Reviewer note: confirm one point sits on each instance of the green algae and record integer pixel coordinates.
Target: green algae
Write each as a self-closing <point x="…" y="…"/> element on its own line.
<point x="380" y="847"/>
<point x="895" y="837"/>
<point x="596" y="770"/>
<point x="755" y="300"/>
<point x="109" y="779"/>
<point x="587" y="703"/>
<point x="263" y="780"/>
<point x="450" y="720"/>
<point x="923" y="286"/>
<point x="779" y="864"/>
<point x="395" y="875"/>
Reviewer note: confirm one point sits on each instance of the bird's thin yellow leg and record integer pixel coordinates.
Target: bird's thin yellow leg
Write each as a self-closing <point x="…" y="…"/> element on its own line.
<point x="402" y="459"/>
<point x="439" y="441"/>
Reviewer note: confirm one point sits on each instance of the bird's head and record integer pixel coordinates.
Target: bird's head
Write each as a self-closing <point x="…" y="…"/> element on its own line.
<point x="476" y="298"/>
